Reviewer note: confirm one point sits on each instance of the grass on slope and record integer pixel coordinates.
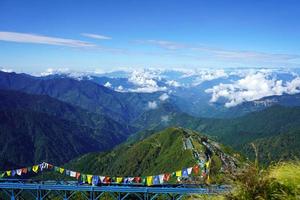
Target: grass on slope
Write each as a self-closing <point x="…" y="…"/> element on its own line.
<point x="162" y="152"/>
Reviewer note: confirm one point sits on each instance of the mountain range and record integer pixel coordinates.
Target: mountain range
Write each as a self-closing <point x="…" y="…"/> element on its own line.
<point x="57" y="118"/>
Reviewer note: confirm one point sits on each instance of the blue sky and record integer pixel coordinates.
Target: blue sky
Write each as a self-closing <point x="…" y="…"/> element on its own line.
<point x="111" y="34"/>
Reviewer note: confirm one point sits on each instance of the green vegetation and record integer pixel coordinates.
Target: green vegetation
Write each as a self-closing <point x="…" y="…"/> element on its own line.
<point x="275" y="130"/>
<point x="36" y="128"/>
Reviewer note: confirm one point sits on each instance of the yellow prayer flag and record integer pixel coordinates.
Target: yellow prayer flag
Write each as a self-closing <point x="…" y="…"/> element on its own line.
<point x="35" y="168"/>
<point x="149" y="180"/>
<point x="8" y="173"/>
<point x="207" y="164"/>
<point x="89" y="179"/>
<point x="178" y="173"/>
<point x="61" y="170"/>
<point x="208" y="180"/>
<point x="119" y="179"/>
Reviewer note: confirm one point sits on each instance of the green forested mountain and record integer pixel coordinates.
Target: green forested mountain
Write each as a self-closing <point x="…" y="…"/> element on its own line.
<point x="261" y="127"/>
<point x="166" y="151"/>
<point x="37" y="128"/>
<point x="86" y="94"/>
<point x="29" y="137"/>
<point x="10" y="99"/>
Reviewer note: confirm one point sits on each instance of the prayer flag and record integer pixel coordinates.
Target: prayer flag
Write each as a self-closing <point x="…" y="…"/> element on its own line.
<point x="35" y="168"/>
<point x="178" y="173"/>
<point x="137" y="179"/>
<point x="83" y="178"/>
<point x="89" y="179"/>
<point x="61" y="170"/>
<point x="24" y="170"/>
<point x="102" y="179"/>
<point x="77" y="175"/>
<point x="95" y="180"/>
<point x="149" y="180"/>
<point x="167" y="177"/>
<point x="19" y="172"/>
<point x="72" y="174"/>
<point x="144" y="180"/>
<point x="156" y="180"/>
<point x="196" y="169"/>
<point x="161" y="179"/>
<point x="119" y="179"/>
<point x="185" y="173"/>
<point x="189" y="170"/>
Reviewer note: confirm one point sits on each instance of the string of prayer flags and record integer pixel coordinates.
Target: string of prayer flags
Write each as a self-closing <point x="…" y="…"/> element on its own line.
<point x="95" y="179"/>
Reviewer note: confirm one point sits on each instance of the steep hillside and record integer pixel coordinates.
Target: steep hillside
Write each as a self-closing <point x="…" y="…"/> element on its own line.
<point x="277" y="123"/>
<point x="30" y="137"/>
<point x="10" y="99"/>
<point x="165" y="151"/>
<point x="282" y="147"/>
<point x="87" y="94"/>
<point x="38" y="128"/>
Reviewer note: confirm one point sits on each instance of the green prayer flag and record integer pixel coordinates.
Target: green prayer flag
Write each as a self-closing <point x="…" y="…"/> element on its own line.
<point x="144" y="179"/>
<point x="83" y="178"/>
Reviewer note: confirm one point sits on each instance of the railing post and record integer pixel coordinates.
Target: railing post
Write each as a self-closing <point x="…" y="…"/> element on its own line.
<point x="12" y="197"/>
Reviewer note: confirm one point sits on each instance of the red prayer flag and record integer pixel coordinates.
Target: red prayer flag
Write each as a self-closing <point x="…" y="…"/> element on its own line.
<point x="107" y="179"/>
<point x="77" y="175"/>
<point x="167" y="177"/>
<point x="24" y="170"/>
<point x="196" y="169"/>
<point x="137" y="179"/>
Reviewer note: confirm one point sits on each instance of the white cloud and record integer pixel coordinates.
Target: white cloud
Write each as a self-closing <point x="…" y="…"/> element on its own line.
<point x="6" y="70"/>
<point x="152" y="105"/>
<point x="146" y="81"/>
<point x="252" y="87"/>
<point x="195" y="51"/>
<point x="120" y="88"/>
<point x="96" y="36"/>
<point x="51" y="71"/>
<point x="208" y="75"/>
<point x="173" y="83"/>
<point x="165" y="118"/>
<point x="108" y="84"/>
<point x="41" y="39"/>
<point x="164" y="97"/>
